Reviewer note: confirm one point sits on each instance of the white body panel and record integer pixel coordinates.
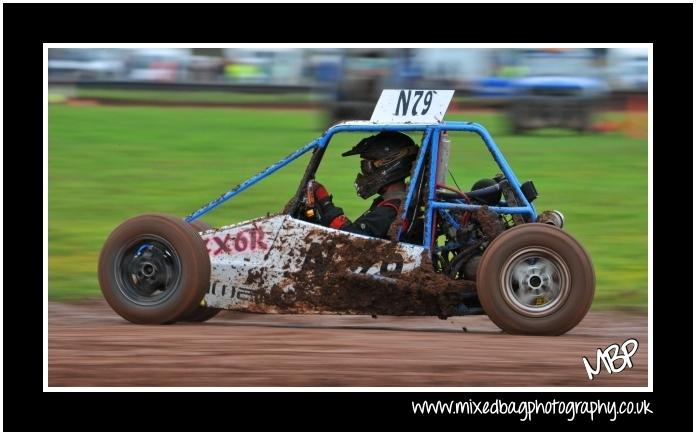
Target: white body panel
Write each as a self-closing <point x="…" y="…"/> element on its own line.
<point x="251" y="259"/>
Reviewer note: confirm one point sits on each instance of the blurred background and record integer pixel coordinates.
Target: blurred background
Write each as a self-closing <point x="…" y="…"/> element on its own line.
<point x="346" y="80"/>
<point x="133" y="131"/>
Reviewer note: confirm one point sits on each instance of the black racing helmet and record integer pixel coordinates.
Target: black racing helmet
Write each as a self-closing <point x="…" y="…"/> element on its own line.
<point x="387" y="157"/>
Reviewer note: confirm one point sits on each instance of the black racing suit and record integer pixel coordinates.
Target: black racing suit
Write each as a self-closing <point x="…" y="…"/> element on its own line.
<point x="374" y="222"/>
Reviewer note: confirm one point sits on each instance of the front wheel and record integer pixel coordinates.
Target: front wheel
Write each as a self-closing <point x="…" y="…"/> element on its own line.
<point x="153" y="269"/>
<point x="535" y="279"/>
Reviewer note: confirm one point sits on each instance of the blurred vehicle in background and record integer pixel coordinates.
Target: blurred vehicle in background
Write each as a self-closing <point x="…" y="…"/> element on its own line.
<point x="566" y="102"/>
<point x="158" y="64"/>
<point x="545" y="87"/>
<point x="492" y="87"/>
<point x="562" y="88"/>
<point x="361" y="77"/>
<point x="362" y="74"/>
<point x="85" y="64"/>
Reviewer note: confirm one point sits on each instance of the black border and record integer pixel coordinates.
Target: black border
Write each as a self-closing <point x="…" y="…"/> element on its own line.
<point x="27" y="26"/>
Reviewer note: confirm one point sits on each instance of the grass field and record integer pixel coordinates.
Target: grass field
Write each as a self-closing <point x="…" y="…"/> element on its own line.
<point x="109" y="163"/>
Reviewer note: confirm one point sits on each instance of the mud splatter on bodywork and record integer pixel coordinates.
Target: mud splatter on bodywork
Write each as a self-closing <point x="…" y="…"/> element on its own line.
<point x="313" y="269"/>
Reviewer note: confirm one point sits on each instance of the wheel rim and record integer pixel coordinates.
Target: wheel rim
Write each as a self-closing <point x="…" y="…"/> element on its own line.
<point x="535" y="281"/>
<point x="148" y="270"/>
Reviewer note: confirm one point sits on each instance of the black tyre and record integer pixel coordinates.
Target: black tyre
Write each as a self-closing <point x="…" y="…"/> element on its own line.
<point x="200" y="313"/>
<point x="153" y="268"/>
<point x="535" y="279"/>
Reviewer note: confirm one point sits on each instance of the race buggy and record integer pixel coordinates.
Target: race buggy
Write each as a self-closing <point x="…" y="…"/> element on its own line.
<point x="449" y="252"/>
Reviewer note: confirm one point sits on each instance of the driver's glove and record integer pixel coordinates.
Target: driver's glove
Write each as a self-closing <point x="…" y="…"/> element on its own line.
<point x="331" y="215"/>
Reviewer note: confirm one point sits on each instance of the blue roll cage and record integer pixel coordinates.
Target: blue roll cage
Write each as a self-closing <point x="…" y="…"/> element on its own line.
<point x="430" y="142"/>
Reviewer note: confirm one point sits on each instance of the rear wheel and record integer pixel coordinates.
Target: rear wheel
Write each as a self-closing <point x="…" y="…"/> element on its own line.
<point x="201" y="313"/>
<point x="535" y="279"/>
<point x="153" y="268"/>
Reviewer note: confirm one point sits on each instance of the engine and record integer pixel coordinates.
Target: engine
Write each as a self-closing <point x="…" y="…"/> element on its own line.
<point x="466" y="235"/>
<point x="463" y="235"/>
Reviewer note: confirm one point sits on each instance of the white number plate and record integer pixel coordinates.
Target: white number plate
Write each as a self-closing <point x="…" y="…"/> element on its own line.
<point x="419" y="106"/>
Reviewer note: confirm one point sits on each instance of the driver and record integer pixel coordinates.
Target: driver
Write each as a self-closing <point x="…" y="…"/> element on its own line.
<point x="387" y="158"/>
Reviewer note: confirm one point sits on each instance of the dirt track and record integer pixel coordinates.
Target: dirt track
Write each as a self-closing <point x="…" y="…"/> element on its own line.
<point x="90" y="345"/>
